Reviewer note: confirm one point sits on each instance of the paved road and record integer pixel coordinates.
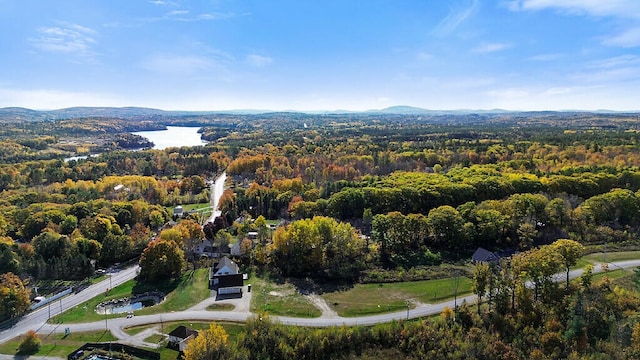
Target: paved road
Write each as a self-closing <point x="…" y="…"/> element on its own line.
<point x="38" y="318"/>
<point x="217" y="189"/>
<point x="241" y="313"/>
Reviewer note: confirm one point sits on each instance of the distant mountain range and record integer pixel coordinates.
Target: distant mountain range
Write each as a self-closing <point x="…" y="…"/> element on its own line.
<point x="18" y="113"/>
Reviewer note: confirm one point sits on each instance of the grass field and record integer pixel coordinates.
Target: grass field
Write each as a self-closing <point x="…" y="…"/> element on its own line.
<point x="612" y="274"/>
<point x="156" y="338"/>
<point x="183" y="293"/>
<point x="232" y="329"/>
<point x="57" y="344"/>
<point x="280" y="299"/>
<point x="613" y="256"/>
<point x="367" y="299"/>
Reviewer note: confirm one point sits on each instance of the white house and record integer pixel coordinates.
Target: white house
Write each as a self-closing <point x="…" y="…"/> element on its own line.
<point x="181" y="336"/>
<point x="226" y="267"/>
<point x="226" y="277"/>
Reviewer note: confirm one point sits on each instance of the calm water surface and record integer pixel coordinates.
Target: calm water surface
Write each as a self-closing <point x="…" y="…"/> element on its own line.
<point x="174" y="136"/>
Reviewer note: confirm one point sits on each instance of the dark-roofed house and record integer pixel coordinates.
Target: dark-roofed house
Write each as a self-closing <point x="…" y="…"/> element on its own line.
<point x="180" y="337"/>
<point x="226" y="278"/>
<point x="484" y="255"/>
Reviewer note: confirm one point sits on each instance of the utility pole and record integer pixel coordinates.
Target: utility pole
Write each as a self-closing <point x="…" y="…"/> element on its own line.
<point x="407" y="309"/>
<point x="264" y="293"/>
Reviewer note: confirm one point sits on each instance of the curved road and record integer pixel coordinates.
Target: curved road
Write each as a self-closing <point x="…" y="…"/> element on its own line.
<point x="37" y="319"/>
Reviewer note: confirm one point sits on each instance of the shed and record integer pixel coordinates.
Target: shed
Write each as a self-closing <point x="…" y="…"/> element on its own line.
<point x="181" y="336"/>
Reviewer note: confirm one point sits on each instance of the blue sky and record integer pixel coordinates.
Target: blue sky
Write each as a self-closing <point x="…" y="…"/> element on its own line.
<point x="321" y="55"/>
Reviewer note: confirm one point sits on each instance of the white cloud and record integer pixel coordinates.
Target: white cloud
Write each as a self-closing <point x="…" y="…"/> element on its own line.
<point x="467" y="83"/>
<point x="424" y="56"/>
<point x="614" y="70"/>
<point x="627" y="39"/>
<point x="177" y="12"/>
<point x="455" y="18"/>
<point x="69" y="39"/>
<point x="258" y="60"/>
<point x="510" y="93"/>
<point x="489" y="48"/>
<point x="623" y="10"/>
<point x="557" y="91"/>
<point x="48" y="99"/>
<point x="163" y="2"/>
<point x="185" y="15"/>
<point x="616" y="8"/>
<point x="545" y="57"/>
<point x="178" y="64"/>
<point x="616" y="62"/>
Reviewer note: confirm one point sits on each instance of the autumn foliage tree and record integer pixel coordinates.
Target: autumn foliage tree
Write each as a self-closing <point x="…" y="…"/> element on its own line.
<point x="161" y="259"/>
<point x="318" y="246"/>
<point x="210" y="344"/>
<point x="14" y="297"/>
<point x="30" y="343"/>
<point x="570" y="252"/>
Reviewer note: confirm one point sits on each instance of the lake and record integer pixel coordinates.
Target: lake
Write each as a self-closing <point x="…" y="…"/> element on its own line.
<point x="174" y="136"/>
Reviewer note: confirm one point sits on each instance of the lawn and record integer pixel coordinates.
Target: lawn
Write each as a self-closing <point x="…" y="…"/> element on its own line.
<point x="182" y="293"/>
<point x="280" y="299"/>
<point x="232" y="329"/>
<point x="191" y="289"/>
<point x="57" y="344"/>
<point x="367" y="299"/>
<point x="221" y="307"/>
<point x="156" y="338"/>
<point x="612" y="274"/>
<point x="613" y="256"/>
<point x="195" y="206"/>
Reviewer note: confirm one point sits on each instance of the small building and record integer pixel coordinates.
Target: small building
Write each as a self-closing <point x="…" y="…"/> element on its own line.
<point x="484" y="255"/>
<point x="236" y="250"/>
<point x="207" y="249"/>
<point x="178" y="211"/>
<point x="180" y="337"/>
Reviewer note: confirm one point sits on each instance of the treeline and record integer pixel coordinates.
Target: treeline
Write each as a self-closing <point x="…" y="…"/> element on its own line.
<point x="172" y="163"/>
<point x="60" y="241"/>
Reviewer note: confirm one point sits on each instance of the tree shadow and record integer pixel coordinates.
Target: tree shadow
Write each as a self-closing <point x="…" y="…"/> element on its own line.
<point x="307" y="286"/>
<point x="163" y="286"/>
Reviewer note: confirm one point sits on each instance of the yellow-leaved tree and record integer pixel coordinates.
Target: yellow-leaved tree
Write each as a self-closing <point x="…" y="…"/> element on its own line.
<point x="210" y="344"/>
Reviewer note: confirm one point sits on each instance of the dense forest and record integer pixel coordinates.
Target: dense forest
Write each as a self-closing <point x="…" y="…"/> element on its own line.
<point x="364" y="198"/>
